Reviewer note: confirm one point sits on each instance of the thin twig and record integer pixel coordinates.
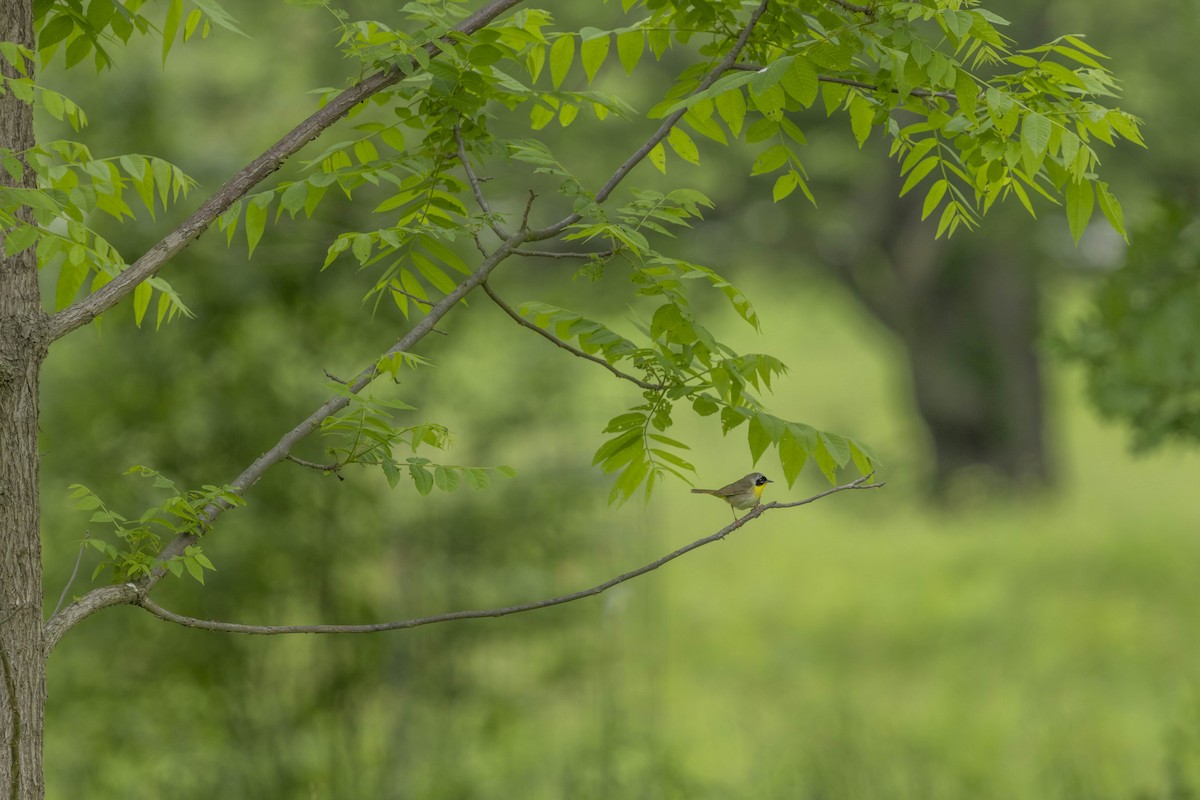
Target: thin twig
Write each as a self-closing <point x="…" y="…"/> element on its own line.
<point x="524" y="323"/>
<point x="663" y="130"/>
<point x="274" y="630"/>
<point x="474" y="182"/>
<point x="334" y="467"/>
<point x="419" y="300"/>
<point x="550" y="254"/>
<point x="868" y="10"/>
<point x="916" y="92"/>
<point x="528" y="208"/>
<point x="74" y="571"/>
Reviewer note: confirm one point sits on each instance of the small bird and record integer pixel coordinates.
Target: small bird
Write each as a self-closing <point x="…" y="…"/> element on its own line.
<point x="745" y="493"/>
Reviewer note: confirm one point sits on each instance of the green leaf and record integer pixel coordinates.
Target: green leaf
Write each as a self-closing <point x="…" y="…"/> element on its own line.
<point x="792" y="456"/>
<point x="170" y="27"/>
<point x="616" y="445"/>
<point x="141" y="301"/>
<point x="593" y="51"/>
<point x="19" y="238"/>
<point x="1035" y="139"/>
<point x="918" y="173"/>
<point x="194" y="569"/>
<point x="934" y="196"/>
<point x="446" y="478"/>
<point x="785" y="184"/>
<point x="422" y="478"/>
<point x="1112" y="209"/>
<point x="630" y="46"/>
<point x="562" y="53"/>
<point x="758" y="438"/>
<point x="731" y="105"/>
<point x="256" y="219"/>
<point x="658" y="157"/>
<point x="801" y="81"/>
<point x="770" y="160"/>
<point x="862" y="118"/>
<point x="219" y="15"/>
<point x="683" y="145"/>
<point x="478" y="478"/>
<point x="1079" y="201"/>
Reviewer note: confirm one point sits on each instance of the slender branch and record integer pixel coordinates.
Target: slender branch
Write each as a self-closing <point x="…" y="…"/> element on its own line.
<point x="550" y="254"/>
<point x="418" y="300"/>
<point x="709" y="79"/>
<point x="74" y="571"/>
<point x="524" y="323"/>
<point x="528" y="208"/>
<point x="868" y="10"/>
<point x="916" y="92"/>
<point x="334" y="467"/>
<point x="104" y="298"/>
<point x="473" y="180"/>
<point x="274" y="630"/>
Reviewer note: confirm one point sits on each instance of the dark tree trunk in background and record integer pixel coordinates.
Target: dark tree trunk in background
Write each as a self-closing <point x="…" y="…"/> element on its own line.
<point x="22" y="662"/>
<point x="967" y="311"/>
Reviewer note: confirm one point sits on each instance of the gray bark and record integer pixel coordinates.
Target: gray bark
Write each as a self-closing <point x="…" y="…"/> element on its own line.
<point x="22" y="348"/>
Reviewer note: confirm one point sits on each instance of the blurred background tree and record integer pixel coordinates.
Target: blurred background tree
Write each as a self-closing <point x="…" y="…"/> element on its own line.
<point x="912" y="663"/>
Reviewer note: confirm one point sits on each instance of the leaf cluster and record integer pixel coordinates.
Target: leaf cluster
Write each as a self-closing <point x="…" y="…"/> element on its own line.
<point x="368" y="432"/>
<point x="138" y="540"/>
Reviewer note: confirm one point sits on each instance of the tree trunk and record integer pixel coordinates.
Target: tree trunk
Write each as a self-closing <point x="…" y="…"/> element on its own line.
<point x="22" y="347"/>
<point x="967" y="311"/>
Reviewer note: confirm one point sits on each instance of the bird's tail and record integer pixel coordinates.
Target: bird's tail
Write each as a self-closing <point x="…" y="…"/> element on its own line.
<point x="704" y="491"/>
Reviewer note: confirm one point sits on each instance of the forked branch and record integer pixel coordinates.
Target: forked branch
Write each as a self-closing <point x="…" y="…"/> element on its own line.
<point x="726" y="64"/>
<point x="575" y="351"/>
<point x="275" y="630"/>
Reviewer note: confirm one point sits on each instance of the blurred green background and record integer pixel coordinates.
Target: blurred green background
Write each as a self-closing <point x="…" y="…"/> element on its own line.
<point x="986" y="632"/>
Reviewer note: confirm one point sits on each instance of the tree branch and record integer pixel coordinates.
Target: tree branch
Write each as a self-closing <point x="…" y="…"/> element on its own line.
<point x="104" y="298"/>
<point x="551" y="254"/>
<point x="74" y="571"/>
<point x="716" y="72"/>
<point x="916" y="92"/>
<point x="524" y="323"/>
<point x="274" y="630"/>
<point x="107" y="596"/>
<point x="334" y="467"/>
<point x="868" y="10"/>
<point x="476" y="189"/>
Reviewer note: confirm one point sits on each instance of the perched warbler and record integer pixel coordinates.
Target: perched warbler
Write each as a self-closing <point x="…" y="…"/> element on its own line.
<point x="745" y="493"/>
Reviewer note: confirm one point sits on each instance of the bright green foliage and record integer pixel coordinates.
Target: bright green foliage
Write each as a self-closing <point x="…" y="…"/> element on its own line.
<point x="970" y="118"/>
<point x="1139" y="346"/>
<point x="71" y="183"/>
<point x="80" y="32"/>
<point x="367" y="432"/>
<point x="142" y="538"/>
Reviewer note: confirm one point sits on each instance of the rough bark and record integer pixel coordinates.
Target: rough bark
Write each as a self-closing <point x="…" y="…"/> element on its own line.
<point x="22" y="348"/>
